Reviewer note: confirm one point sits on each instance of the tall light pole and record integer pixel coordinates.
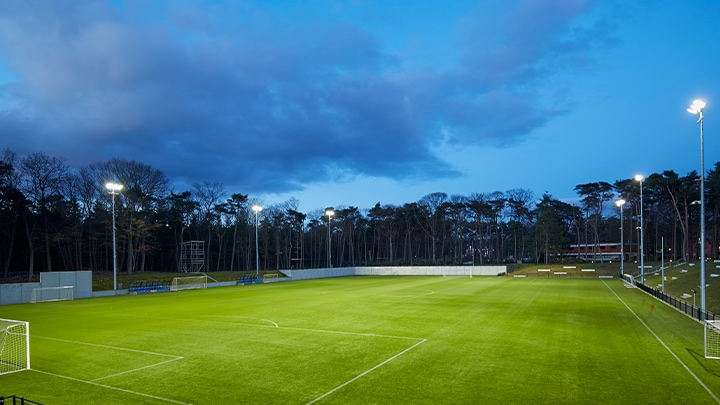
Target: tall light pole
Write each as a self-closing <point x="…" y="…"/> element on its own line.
<point x="639" y="177"/>
<point x="114" y="189"/>
<point x="662" y="262"/>
<point x="697" y="107"/>
<point x="329" y="211"/>
<point x="620" y="203"/>
<point x="256" y="209"/>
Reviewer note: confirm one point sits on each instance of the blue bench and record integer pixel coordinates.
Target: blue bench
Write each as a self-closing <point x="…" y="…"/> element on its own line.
<point x="248" y="279"/>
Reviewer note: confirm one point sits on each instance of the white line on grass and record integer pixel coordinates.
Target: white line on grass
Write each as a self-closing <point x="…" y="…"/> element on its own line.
<point x="107" y="347"/>
<point x="712" y="394"/>
<point x="352" y="333"/>
<point x="172" y="358"/>
<point x="366" y="372"/>
<point x="137" y="369"/>
<point x="111" y="387"/>
<point x="277" y="326"/>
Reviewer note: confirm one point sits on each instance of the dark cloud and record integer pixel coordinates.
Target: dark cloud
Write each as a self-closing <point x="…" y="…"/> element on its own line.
<point x="264" y="100"/>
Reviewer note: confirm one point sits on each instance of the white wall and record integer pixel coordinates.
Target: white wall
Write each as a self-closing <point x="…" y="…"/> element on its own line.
<point x="21" y="292"/>
<point x="396" y="271"/>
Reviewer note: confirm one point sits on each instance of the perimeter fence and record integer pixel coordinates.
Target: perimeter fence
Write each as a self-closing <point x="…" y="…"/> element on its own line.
<point x="16" y="400"/>
<point x="680" y="304"/>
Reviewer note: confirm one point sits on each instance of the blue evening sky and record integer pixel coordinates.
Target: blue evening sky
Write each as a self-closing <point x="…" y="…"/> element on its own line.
<point x="350" y="103"/>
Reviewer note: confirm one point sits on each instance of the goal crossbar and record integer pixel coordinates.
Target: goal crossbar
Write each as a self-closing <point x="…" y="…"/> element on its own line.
<point x="45" y="294"/>
<point x="188" y="283"/>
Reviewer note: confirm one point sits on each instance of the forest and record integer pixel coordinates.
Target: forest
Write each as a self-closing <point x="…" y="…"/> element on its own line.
<point x="57" y="218"/>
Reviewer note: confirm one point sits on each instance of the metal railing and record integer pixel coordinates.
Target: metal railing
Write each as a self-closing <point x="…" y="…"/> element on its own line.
<point x="681" y="305"/>
<point x="17" y="400"/>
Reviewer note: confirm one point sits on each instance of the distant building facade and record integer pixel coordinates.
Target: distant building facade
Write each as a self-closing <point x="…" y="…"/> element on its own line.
<point x="603" y="251"/>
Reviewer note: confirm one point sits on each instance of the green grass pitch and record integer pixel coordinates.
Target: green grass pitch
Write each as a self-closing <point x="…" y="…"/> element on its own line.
<point x="362" y="340"/>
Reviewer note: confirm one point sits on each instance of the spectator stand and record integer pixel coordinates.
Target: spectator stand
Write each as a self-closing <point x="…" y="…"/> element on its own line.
<point x="248" y="279"/>
<point x="148" y="286"/>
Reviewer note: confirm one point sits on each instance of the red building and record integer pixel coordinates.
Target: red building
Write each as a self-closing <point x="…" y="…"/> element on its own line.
<point x="603" y="251"/>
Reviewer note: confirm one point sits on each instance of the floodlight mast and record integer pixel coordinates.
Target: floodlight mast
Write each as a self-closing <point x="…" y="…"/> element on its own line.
<point x="329" y="211"/>
<point x="639" y="178"/>
<point x="620" y="203"/>
<point x="697" y="108"/>
<point x="114" y="189"/>
<point x="256" y="209"/>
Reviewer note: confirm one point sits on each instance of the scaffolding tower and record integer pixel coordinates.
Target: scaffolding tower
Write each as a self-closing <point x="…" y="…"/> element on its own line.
<point x="192" y="256"/>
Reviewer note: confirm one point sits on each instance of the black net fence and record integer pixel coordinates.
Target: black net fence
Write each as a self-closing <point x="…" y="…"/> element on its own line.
<point x="16" y="400"/>
<point x="680" y="304"/>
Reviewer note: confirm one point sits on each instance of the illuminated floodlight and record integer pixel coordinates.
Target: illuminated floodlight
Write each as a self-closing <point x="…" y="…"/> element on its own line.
<point x="114" y="189"/>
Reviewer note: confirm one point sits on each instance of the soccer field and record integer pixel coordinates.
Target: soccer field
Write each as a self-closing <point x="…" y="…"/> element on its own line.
<point x="361" y="340"/>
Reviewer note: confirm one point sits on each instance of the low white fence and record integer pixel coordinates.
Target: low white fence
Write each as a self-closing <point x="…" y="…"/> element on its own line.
<point x="466" y="271"/>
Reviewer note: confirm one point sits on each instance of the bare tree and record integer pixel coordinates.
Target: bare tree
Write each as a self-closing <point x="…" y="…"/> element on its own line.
<point x="207" y="195"/>
<point x="432" y="202"/>
<point x="42" y="179"/>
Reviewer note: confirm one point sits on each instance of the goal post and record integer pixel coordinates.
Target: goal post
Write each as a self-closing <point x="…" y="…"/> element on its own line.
<point x="14" y="346"/>
<point x="188" y="283"/>
<point x="45" y="294"/>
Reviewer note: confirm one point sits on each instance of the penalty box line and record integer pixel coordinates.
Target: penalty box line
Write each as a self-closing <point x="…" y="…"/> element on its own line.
<point x="110" y="387"/>
<point x="418" y="342"/>
<point x="366" y="372"/>
<point x="94" y="382"/>
<point x="702" y="384"/>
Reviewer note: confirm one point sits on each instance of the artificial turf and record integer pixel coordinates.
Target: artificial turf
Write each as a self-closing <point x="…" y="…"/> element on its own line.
<point x="360" y="340"/>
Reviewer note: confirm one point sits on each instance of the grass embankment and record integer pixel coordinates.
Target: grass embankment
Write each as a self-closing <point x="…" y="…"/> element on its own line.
<point x="679" y="278"/>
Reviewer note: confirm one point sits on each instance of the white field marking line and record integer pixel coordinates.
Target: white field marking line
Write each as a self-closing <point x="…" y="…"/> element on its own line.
<point x="366" y="372"/>
<point x="137" y="369"/>
<point x="173" y="358"/>
<point x="276" y="326"/>
<point x="111" y="387"/>
<point x="352" y="333"/>
<point x="712" y="394"/>
<point x="108" y="347"/>
<point x="248" y="317"/>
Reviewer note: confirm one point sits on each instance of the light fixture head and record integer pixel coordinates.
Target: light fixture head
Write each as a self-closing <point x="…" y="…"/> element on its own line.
<point x="113" y="187"/>
<point x="330" y="211"/>
<point x="697" y="107"/>
<point x="620" y="202"/>
<point x="256" y="208"/>
<point x="639" y="177"/>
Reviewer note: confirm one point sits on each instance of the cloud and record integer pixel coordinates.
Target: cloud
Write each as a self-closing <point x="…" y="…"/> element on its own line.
<point x="250" y="97"/>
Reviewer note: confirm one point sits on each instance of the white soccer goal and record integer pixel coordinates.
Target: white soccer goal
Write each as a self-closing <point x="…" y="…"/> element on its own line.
<point x="188" y="283"/>
<point x="629" y="280"/>
<point x="44" y="294"/>
<point x="270" y="278"/>
<point x="712" y="339"/>
<point x="14" y="346"/>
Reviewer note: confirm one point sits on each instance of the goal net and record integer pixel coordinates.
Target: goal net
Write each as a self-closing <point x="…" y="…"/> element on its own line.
<point x="629" y="280"/>
<point x="712" y="339"/>
<point x="14" y="346"/>
<point x="270" y="278"/>
<point x="45" y="294"/>
<point x="188" y="283"/>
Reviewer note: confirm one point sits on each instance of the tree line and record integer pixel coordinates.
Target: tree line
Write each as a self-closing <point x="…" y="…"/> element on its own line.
<point x="54" y="217"/>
